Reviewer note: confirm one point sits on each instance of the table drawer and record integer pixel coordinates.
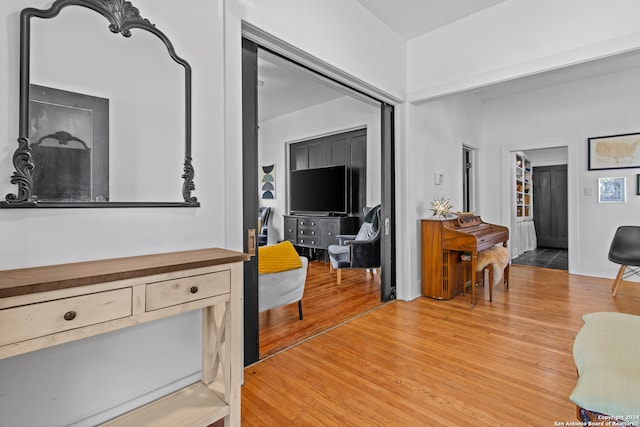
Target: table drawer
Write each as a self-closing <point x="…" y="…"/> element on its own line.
<point x="186" y="289"/>
<point x="309" y="241"/>
<point x="45" y="318"/>
<point x="308" y="232"/>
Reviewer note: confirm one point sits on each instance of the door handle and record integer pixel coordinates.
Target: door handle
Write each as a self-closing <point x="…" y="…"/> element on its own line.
<point x="251" y="242"/>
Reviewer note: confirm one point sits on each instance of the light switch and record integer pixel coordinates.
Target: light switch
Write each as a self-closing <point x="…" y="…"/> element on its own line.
<point x="438" y="177"/>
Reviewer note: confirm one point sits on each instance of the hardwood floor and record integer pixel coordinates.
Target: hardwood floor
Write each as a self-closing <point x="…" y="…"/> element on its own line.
<point x="429" y="362"/>
<point x="324" y="305"/>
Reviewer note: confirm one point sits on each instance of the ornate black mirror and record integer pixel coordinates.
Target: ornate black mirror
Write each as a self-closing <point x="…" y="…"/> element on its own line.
<point x="102" y="117"/>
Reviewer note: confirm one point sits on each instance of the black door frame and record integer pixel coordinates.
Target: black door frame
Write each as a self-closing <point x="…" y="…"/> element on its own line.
<point x="250" y="197"/>
<point x="250" y="190"/>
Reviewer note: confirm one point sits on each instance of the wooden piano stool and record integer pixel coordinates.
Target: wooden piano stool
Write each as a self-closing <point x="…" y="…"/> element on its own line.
<point x="466" y="275"/>
<point x="466" y="267"/>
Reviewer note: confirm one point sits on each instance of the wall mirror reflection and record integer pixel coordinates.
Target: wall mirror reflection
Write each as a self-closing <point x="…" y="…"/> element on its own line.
<point x="104" y="119"/>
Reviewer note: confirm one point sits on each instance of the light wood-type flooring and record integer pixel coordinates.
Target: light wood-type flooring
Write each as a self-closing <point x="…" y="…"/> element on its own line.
<point x="324" y="306"/>
<point x="441" y="363"/>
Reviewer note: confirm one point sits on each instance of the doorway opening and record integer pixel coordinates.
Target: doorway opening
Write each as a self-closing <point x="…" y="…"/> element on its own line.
<point x="468" y="180"/>
<point x="541" y="217"/>
<point x="265" y="142"/>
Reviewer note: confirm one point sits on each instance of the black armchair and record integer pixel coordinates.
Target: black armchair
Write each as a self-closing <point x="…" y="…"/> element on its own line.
<point x="625" y="250"/>
<point x="361" y="251"/>
<point x="263" y="224"/>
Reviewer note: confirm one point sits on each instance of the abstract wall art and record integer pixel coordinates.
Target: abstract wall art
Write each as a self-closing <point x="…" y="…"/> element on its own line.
<point x="267" y="182"/>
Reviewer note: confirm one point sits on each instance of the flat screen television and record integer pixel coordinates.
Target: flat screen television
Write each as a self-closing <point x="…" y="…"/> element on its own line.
<point x="319" y="191"/>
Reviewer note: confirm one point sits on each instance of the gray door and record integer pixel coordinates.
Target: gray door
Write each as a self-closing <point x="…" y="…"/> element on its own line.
<point x="550" y="214"/>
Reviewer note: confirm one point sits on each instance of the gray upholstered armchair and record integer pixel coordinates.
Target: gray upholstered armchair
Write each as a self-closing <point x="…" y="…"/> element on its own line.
<point x="361" y="251"/>
<point x="263" y="225"/>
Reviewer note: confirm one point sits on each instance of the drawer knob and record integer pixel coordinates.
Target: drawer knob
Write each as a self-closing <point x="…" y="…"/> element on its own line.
<point x="70" y="315"/>
<point x="193" y="289"/>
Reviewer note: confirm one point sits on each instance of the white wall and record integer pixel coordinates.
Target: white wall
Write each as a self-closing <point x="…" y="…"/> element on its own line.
<point x="440" y="129"/>
<point x="57" y="386"/>
<point x="340" y="33"/>
<point x="566" y="115"/>
<point x="517" y="38"/>
<point x="343" y="114"/>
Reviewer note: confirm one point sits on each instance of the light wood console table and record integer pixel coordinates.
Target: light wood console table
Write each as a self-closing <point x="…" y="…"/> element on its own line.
<point x="45" y="306"/>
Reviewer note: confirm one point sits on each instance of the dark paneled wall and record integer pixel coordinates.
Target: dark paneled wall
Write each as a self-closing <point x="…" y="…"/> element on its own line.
<point x="347" y="148"/>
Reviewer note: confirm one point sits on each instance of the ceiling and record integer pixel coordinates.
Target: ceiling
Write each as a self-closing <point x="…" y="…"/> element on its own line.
<point x="411" y="18"/>
<point x="286" y="87"/>
<point x="613" y="64"/>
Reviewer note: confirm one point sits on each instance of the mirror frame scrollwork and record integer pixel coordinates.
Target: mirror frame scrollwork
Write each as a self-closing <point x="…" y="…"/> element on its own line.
<point x="122" y="17"/>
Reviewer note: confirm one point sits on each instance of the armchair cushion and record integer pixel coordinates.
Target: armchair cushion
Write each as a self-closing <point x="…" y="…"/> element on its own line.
<point x="366" y="231"/>
<point x="372" y="217"/>
<point x="276" y="258"/>
<point x="340" y="256"/>
<point x="370" y="224"/>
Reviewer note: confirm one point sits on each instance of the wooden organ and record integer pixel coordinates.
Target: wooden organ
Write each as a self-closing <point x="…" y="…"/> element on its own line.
<point x="443" y="243"/>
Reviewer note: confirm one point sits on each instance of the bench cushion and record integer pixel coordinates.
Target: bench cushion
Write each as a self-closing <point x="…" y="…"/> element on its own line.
<point x="607" y="355"/>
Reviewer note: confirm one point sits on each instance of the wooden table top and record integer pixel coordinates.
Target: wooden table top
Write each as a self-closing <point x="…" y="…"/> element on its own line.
<point x="25" y="281"/>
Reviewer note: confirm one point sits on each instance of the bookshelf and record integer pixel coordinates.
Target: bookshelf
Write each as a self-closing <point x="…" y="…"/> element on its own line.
<point x="523" y="187"/>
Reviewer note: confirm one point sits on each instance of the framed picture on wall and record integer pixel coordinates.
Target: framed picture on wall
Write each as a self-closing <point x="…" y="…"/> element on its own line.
<point x="614" y="152"/>
<point x="612" y="190"/>
<point x="267" y="182"/>
<point x="69" y="136"/>
<point x="638" y="184"/>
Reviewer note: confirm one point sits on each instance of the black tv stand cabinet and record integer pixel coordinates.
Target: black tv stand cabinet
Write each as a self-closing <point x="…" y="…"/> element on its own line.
<point x="317" y="232"/>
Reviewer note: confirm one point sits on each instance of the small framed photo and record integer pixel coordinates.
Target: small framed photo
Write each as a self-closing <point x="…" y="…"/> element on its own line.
<point x="638" y="184"/>
<point x="612" y="190"/>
